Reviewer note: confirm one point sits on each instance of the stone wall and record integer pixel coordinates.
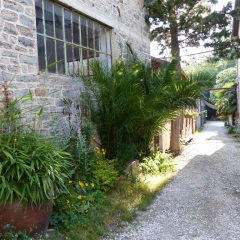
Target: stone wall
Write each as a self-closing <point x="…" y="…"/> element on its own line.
<point x="18" y="46"/>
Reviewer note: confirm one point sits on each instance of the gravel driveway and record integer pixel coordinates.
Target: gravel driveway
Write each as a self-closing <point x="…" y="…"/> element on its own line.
<point x="203" y="200"/>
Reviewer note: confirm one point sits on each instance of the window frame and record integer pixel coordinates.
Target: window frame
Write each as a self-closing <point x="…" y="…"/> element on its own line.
<point x="107" y="53"/>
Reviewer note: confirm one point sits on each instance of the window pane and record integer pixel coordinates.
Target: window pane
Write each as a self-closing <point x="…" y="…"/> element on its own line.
<point x="41" y="53"/>
<point x="90" y="60"/>
<point x="85" y="61"/>
<point x="51" y="61"/>
<point x="91" y="54"/>
<point x="97" y="32"/>
<point x="103" y="44"/>
<point x="70" y="64"/>
<point x="48" y="11"/>
<point x="109" y="62"/>
<point x="76" y="52"/>
<point x="60" y="57"/>
<point x="76" y="37"/>
<point x="84" y="53"/>
<point x="84" y="31"/>
<point x="80" y="61"/>
<point x="68" y="26"/>
<point x="58" y="22"/>
<point x="90" y="34"/>
<point x="103" y="59"/>
<point x="39" y="16"/>
<point x="69" y="53"/>
<point x="108" y="41"/>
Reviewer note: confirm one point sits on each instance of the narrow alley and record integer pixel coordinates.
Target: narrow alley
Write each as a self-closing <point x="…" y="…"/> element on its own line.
<point x="203" y="201"/>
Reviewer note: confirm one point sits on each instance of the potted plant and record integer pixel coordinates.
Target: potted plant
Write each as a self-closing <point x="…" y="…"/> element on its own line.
<point x="32" y="172"/>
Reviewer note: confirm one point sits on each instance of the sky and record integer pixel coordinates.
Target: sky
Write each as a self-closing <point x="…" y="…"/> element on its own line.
<point x="194" y="50"/>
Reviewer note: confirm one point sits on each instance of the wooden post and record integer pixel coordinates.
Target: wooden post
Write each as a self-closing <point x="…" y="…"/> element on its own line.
<point x="175" y="145"/>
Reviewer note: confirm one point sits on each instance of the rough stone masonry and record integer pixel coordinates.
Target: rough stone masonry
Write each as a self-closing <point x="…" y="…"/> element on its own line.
<point x="18" y="46"/>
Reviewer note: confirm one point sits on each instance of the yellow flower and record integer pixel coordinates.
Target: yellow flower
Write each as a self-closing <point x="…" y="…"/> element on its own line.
<point x="70" y="181"/>
<point x="81" y="184"/>
<point x="86" y="184"/>
<point x="68" y="202"/>
<point x="79" y="197"/>
<point x="92" y="185"/>
<point x="103" y="152"/>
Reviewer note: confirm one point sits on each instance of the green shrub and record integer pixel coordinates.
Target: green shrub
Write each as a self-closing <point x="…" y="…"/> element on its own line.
<point x="91" y="173"/>
<point x="84" y="195"/>
<point x="230" y="130"/>
<point x="77" y="135"/>
<point x="157" y="163"/>
<point x="105" y="174"/>
<point x="12" y="234"/>
<point x="82" y="155"/>
<point x="237" y="131"/>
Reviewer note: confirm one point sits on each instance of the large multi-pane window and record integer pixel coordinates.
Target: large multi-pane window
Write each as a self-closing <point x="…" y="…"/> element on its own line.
<point x="68" y="41"/>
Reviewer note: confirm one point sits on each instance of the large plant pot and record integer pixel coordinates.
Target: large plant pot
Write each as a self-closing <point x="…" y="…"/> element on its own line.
<point x="32" y="219"/>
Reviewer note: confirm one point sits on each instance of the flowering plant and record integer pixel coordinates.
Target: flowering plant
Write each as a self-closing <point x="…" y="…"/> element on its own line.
<point x="80" y="198"/>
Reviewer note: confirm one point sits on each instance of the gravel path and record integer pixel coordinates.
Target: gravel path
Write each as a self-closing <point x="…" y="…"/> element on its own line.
<point x="203" y="200"/>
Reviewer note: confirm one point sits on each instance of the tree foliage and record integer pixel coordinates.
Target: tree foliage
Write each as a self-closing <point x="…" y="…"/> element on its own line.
<point x="223" y="41"/>
<point x="223" y="74"/>
<point x="186" y="23"/>
<point x="226" y="100"/>
<point x="210" y="67"/>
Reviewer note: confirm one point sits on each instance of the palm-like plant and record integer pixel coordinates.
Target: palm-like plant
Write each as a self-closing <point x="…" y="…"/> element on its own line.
<point x="130" y="102"/>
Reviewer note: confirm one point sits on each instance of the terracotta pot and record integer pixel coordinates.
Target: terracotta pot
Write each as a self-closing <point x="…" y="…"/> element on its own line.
<point x="32" y="219"/>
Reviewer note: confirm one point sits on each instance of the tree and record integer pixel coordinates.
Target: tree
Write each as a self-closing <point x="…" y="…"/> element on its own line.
<point x="226" y="99"/>
<point x="183" y="23"/>
<point x="225" y="42"/>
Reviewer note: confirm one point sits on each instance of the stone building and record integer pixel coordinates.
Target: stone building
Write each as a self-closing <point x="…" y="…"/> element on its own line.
<point x="43" y="43"/>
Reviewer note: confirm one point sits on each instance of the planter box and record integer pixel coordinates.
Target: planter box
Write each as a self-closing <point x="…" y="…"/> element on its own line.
<point x="32" y="219"/>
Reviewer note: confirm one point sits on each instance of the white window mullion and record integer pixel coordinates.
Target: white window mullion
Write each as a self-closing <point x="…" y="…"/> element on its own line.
<point x="64" y="40"/>
<point x="94" y="45"/>
<point x="87" y="60"/>
<point x="72" y="46"/>
<point x="81" y="54"/>
<point x="44" y="38"/>
<point x="55" y="41"/>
